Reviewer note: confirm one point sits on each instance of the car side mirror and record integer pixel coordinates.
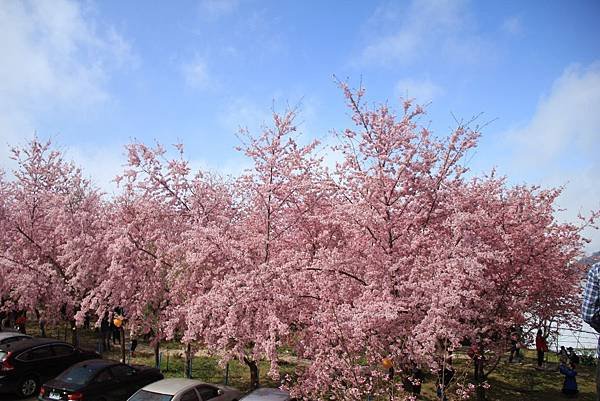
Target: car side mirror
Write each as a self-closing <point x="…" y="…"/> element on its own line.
<point x="220" y="392"/>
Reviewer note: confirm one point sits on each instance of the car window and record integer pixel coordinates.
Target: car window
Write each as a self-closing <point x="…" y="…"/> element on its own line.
<point x="62" y="350"/>
<point x="207" y="392"/>
<point x="103" y="377"/>
<point x="189" y="395"/>
<point x="37" y="354"/>
<point x="122" y="371"/>
<point x="143" y="395"/>
<point x="78" y="374"/>
<point x="12" y="339"/>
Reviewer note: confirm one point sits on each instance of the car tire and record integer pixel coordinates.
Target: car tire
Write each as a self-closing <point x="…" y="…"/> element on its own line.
<point x="28" y="386"/>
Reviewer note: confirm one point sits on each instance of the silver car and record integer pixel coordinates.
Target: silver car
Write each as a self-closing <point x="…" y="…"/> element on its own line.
<point x="268" y="394"/>
<point x="185" y="390"/>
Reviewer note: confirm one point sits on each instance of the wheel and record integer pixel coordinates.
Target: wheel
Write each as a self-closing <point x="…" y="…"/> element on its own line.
<point x="28" y="386"/>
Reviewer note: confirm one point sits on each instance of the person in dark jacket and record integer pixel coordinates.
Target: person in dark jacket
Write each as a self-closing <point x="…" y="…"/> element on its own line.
<point x="563" y="355"/>
<point x="105" y="333"/>
<point x="515" y="344"/>
<point x="570" y="384"/>
<point x="573" y="357"/>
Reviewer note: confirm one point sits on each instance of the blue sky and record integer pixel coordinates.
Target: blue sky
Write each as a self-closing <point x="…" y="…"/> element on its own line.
<point x="94" y="75"/>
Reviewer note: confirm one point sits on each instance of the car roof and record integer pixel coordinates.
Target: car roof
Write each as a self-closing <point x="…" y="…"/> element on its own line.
<point x="18" y="346"/>
<point x="97" y="363"/>
<point x="9" y="334"/>
<point x="172" y="386"/>
<point x="267" y="394"/>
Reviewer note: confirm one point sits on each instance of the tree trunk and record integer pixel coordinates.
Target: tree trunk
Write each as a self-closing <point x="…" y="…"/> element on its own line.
<point x="254" y="378"/>
<point x="74" y="334"/>
<point x="157" y="354"/>
<point x="188" y="362"/>
<point x="122" y="330"/>
<point x="479" y="377"/>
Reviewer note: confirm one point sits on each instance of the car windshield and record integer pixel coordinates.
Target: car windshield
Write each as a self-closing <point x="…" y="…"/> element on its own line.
<point x="79" y="374"/>
<point x="144" y="395"/>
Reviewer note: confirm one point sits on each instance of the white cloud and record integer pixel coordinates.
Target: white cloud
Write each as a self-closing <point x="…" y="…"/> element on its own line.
<point x="567" y="117"/>
<point x="403" y="35"/>
<point x="242" y="112"/>
<point x="423" y="91"/>
<point x="100" y="164"/>
<point x="512" y="25"/>
<point x="55" y="58"/>
<point x="212" y="9"/>
<point x="196" y="74"/>
<point x="561" y="143"/>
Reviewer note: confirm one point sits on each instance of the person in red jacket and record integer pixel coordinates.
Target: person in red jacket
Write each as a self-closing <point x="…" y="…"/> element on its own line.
<point x="541" y="346"/>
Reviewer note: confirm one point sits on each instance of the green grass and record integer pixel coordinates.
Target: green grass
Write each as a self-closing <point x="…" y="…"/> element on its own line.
<point x="510" y="382"/>
<point x="207" y="368"/>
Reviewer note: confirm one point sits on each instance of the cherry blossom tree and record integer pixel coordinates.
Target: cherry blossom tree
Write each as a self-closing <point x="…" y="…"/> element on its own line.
<point x="249" y="311"/>
<point x="392" y="189"/>
<point x="521" y="249"/>
<point x="141" y="242"/>
<point x="167" y="220"/>
<point x="424" y="264"/>
<point x="51" y="217"/>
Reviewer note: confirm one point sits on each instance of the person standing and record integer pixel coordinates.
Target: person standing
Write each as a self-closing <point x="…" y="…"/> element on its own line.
<point x="573" y="357"/>
<point x="105" y="332"/>
<point x="515" y="344"/>
<point x="590" y="310"/>
<point x="541" y="346"/>
<point x="563" y="355"/>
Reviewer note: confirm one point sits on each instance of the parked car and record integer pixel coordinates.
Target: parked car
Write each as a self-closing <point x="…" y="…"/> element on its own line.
<point x="99" y="379"/>
<point x="268" y="394"/>
<point x="27" y="363"/>
<point x="185" y="390"/>
<point x="12" y="336"/>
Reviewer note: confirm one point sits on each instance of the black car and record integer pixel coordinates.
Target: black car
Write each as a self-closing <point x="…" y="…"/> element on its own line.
<point x="25" y="364"/>
<point x="99" y="379"/>
<point x="11" y="336"/>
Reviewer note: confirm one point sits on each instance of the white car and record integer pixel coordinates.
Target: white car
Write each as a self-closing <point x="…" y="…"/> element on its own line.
<point x="185" y="390"/>
<point x="268" y="394"/>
